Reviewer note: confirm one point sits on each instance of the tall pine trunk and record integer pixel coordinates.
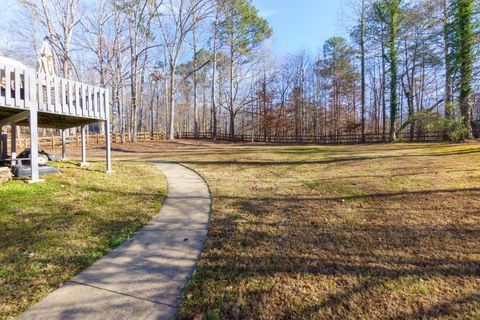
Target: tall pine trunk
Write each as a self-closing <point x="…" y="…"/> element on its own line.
<point x="394" y="9"/>
<point x="362" y="49"/>
<point x="465" y="38"/>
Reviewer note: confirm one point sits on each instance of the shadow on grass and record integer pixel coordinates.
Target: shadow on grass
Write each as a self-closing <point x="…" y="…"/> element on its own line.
<point x="373" y="196"/>
<point x="260" y="243"/>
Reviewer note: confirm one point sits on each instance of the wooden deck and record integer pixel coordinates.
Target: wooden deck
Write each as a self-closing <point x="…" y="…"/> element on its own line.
<point x="60" y="103"/>
<point x="33" y="99"/>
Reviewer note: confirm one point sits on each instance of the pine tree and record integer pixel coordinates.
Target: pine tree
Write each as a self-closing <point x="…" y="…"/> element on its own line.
<point x="464" y="40"/>
<point x="393" y="7"/>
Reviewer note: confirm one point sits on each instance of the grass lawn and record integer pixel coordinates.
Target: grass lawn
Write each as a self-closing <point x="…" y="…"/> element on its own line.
<point x="51" y="231"/>
<point x="335" y="232"/>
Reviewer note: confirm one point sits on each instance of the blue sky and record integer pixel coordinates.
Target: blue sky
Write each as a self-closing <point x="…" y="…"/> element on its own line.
<point x="302" y="24"/>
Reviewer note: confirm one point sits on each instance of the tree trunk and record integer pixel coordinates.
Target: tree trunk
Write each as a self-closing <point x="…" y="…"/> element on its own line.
<point x="362" y="49"/>
<point x="393" y="68"/>
<point x="171" y="125"/>
<point x="448" y="62"/>
<point x="196" y="126"/>
<point x="231" y="97"/>
<point x="214" y="73"/>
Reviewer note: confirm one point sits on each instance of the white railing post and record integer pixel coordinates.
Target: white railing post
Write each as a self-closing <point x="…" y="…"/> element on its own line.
<point x="48" y="89"/>
<point x="71" y="109"/>
<point x="8" y="88"/>
<point x="39" y="103"/>
<point x="3" y="99"/>
<point x="63" y="89"/>
<point x="78" y="107"/>
<point x="17" y="86"/>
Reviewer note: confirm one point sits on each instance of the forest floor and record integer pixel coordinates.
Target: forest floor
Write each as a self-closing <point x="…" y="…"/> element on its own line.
<point x="51" y="231"/>
<point x="372" y="232"/>
<point x="346" y="232"/>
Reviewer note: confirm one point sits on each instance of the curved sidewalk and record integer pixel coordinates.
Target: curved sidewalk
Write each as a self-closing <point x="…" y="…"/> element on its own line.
<point x="144" y="277"/>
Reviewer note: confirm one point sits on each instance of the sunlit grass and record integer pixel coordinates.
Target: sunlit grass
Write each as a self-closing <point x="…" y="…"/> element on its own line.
<point x="334" y="232"/>
<point x="52" y="230"/>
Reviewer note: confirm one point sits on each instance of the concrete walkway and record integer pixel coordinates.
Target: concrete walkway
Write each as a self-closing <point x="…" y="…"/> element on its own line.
<point x="144" y="277"/>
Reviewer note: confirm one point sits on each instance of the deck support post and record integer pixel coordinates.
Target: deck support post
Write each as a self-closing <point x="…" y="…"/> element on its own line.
<point x="13" y="143"/>
<point x="33" y="119"/>
<point x="3" y="145"/>
<point x="64" y="144"/>
<point x="83" y="130"/>
<point x="108" y="147"/>
<point x="108" y="139"/>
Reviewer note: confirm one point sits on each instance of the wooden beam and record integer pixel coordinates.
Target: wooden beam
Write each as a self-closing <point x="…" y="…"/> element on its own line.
<point x="15" y="118"/>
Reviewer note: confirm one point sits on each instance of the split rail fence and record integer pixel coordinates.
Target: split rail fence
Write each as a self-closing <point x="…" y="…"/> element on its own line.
<point x="329" y="139"/>
<point x="54" y="141"/>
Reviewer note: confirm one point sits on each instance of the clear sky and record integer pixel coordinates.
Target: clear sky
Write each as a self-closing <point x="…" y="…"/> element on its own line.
<point x="302" y="24"/>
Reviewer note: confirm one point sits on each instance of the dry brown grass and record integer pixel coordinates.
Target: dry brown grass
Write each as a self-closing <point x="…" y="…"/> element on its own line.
<point x="340" y="232"/>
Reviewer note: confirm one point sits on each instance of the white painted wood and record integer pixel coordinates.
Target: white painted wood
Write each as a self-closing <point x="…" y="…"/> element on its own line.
<point x="89" y="101"/>
<point x="25" y="88"/>
<point x="64" y="93"/>
<point x="34" y="144"/>
<point x="3" y="97"/>
<point x="95" y="103"/>
<point x="31" y="92"/>
<point x="108" y="140"/>
<point x="70" y="98"/>
<point x="48" y="90"/>
<point x="8" y="84"/>
<point x="84" y="100"/>
<point x="64" y="144"/>
<point x="17" y="88"/>
<point x="84" y="145"/>
<point x="14" y="119"/>
<point x="40" y="91"/>
<point x="57" y="90"/>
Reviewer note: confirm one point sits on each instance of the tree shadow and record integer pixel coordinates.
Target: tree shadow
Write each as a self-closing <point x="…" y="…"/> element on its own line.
<point x="370" y="258"/>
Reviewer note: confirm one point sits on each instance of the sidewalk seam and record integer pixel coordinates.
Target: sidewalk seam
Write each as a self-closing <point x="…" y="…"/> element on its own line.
<point x="122" y="294"/>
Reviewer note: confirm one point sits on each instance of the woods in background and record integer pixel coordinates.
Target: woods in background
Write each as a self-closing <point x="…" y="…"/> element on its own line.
<point x="407" y="68"/>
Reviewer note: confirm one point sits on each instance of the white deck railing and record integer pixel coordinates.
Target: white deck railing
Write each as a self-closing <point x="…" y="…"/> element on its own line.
<point x="24" y="88"/>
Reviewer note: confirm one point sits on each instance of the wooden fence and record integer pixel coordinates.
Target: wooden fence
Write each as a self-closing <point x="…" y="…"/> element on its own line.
<point x="329" y="139"/>
<point x="54" y="141"/>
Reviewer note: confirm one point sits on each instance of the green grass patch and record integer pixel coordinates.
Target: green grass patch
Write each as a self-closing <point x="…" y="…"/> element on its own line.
<point x="51" y="231"/>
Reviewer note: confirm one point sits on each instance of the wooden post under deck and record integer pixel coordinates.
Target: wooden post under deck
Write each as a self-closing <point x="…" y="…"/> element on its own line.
<point x="33" y="119"/>
<point x="108" y="142"/>
<point x="108" y="139"/>
<point x="13" y="142"/>
<point x="84" y="162"/>
<point x="64" y="144"/>
<point x="3" y="145"/>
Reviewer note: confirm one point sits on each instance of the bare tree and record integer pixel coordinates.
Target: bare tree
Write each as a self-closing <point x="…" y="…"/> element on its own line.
<point x="58" y="18"/>
<point x="177" y="20"/>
